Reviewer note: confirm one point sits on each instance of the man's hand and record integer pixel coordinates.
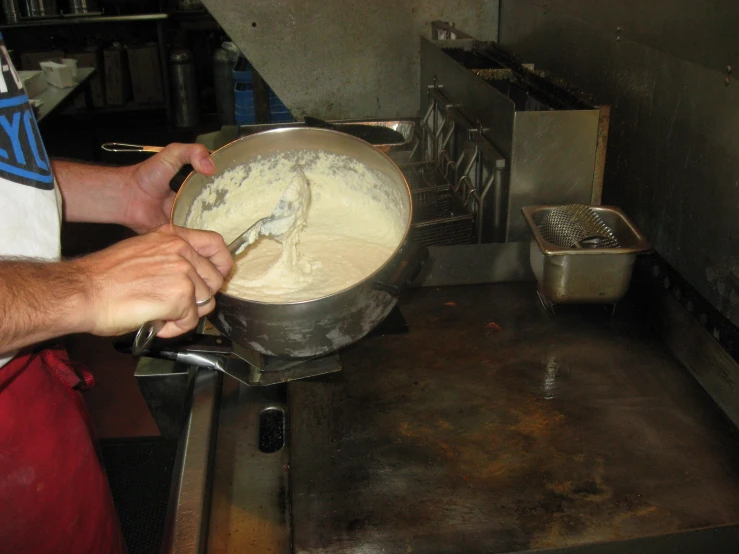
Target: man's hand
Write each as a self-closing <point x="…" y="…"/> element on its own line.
<point x="160" y="275"/>
<point x="149" y="197"/>
<point x="156" y="276"/>
<point x="137" y="196"/>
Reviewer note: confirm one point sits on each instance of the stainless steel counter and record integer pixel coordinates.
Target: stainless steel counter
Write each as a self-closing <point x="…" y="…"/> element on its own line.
<point x="489" y="427"/>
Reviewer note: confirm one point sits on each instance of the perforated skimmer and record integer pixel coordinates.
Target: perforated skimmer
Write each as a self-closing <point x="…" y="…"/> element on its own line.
<point x="577" y="226"/>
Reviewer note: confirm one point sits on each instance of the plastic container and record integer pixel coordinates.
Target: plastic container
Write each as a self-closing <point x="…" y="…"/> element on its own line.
<point x="244" y="118"/>
<point x="57" y="74"/>
<point x="244" y="98"/>
<point x="242" y="71"/>
<point x="278" y="112"/>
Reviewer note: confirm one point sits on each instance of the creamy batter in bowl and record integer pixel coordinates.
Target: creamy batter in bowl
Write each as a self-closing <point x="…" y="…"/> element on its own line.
<point x="354" y="223"/>
<point x="358" y="222"/>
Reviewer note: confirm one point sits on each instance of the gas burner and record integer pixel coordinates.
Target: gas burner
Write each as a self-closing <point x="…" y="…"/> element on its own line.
<point x="208" y="349"/>
<point x="166" y="376"/>
<point x="214" y="351"/>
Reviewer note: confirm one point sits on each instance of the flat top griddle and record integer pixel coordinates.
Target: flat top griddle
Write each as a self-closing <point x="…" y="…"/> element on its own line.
<point x="490" y="426"/>
<point x="493" y="427"/>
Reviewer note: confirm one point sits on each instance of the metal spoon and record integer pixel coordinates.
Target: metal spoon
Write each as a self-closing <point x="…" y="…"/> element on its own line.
<point x="286" y="218"/>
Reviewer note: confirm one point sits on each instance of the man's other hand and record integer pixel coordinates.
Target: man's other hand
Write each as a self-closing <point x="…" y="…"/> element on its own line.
<point x="148" y="197"/>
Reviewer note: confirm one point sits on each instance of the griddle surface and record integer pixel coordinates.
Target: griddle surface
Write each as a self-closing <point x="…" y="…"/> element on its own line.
<point x="493" y="427"/>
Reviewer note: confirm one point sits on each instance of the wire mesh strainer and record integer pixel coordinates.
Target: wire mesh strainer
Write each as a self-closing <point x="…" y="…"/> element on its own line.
<point x="577" y="226"/>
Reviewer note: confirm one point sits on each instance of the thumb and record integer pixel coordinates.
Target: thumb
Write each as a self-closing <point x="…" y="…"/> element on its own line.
<point x="173" y="157"/>
<point x="197" y="155"/>
<point x="154" y="174"/>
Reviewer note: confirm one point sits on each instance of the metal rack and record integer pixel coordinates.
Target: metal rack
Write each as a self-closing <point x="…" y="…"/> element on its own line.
<point x="505" y="136"/>
<point x="471" y="169"/>
<point x="82" y="19"/>
<point x="439" y="216"/>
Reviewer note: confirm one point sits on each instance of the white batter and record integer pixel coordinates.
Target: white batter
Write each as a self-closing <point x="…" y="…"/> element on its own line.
<point x="354" y="223"/>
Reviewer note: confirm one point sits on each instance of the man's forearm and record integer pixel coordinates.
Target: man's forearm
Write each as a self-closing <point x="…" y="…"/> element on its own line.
<point x="40" y="301"/>
<point x="137" y="196"/>
<point x="92" y="193"/>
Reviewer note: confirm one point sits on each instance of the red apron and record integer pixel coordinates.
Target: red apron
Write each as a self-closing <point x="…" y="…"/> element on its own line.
<point x="54" y="496"/>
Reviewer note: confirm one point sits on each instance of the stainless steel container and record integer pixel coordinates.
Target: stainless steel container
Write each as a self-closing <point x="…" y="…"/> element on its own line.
<point x="39" y="8"/>
<point x="82" y="7"/>
<point x="10" y="11"/>
<point x="184" y="88"/>
<point x="320" y="326"/>
<point x="584" y="275"/>
<point x="223" y="82"/>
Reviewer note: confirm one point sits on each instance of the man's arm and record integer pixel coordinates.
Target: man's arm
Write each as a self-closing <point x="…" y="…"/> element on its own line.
<point x="40" y="301"/>
<point x="136" y="196"/>
<point x="160" y="275"/>
<point x="92" y="193"/>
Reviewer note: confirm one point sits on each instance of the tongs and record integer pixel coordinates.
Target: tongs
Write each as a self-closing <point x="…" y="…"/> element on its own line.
<point x="124" y="147"/>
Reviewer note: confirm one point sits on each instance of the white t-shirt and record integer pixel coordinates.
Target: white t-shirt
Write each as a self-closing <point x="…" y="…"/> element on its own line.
<point x="30" y="202"/>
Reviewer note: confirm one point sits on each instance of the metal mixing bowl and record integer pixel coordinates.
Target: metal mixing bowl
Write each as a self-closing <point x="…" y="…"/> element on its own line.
<point x="312" y="327"/>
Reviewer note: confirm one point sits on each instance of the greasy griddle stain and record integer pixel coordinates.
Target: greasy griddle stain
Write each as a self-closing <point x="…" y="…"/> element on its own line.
<point x="501" y="438"/>
<point x="520" y="439"/>
<point x="491" y="450"/>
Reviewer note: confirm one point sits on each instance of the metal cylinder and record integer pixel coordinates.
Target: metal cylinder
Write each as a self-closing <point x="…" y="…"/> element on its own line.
<point x="184" y="88"/>
<point x="39" y="8"/>
<point x="10" y="11"/>
<point x="223" y="83"/>
<point x="79" y="7"/>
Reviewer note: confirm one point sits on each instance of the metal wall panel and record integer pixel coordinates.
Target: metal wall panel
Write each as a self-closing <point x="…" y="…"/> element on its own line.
<point x="552" y="162"/>
<point x="342" y="59"/>
<point x="672" y="164"/>
<point x="702" y="32"/>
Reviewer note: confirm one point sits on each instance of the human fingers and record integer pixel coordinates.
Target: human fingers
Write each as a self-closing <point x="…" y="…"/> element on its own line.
<point x="188" y="289"/>
<point x="209" y="245"/>
<point x="204" y="268"/>
<point x="155" y="276"/>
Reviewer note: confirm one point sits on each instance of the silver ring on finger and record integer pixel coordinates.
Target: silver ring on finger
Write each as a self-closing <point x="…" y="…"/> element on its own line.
<point x="205" y="302"/>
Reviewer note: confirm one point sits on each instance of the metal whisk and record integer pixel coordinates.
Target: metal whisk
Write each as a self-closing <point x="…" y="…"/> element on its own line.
<point x="577" y="226"/>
